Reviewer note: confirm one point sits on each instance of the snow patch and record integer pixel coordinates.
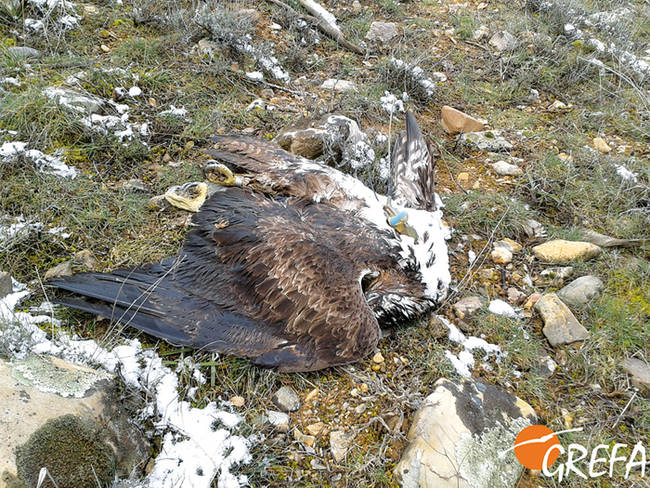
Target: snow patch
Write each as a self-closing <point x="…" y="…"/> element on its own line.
<point x="464" y="362"/>
<point x="47" y="164"/>
<point x="198" y="444"/>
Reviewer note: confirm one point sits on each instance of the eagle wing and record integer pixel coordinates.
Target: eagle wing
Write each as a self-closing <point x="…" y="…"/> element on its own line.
<point x="256" y="278"/>
<point x="412" y="170"/>
<point x="279" y="172"/>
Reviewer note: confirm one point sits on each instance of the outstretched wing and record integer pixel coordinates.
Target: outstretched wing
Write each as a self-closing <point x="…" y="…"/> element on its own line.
<point x="281" y="173"/>
<point x="257" y="279"/>
<point x="412" y="172"/>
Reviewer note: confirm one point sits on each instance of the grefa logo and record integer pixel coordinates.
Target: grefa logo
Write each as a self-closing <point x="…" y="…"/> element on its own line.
<point x="537" y="447"/>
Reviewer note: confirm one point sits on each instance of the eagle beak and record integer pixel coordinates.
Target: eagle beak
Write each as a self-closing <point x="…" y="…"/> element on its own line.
<point x="399" y="222"/>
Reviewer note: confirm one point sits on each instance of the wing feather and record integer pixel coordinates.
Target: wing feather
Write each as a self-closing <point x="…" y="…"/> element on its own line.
<point x="413" y="170"/>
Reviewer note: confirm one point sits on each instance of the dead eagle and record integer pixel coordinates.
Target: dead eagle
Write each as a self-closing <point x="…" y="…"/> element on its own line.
<point x="292" y="263"/>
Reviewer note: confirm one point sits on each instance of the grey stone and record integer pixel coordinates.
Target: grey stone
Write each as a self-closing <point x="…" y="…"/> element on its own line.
<point x="546" y="366"/>
<point x="382" y="31"/>
<point x="340" y="442"/>
<point x="59" y="413"/>
<point x="560" y="325"/>
<point x="506" y="169"/>
<point x="61" y="269"/>
<point x="467" y="306"/>
<point x="339" y="85"/>
<point x="487" y="140"/>
<point x="503" y="41"/>
<point x="640" y="372"/>
<point x="23" y="52"/>
<point x="86" y="258"/>
<point x="581" y="291"/>
<point x="457" y="436"/>
<point x="554" y="276"/>
<point x="286" y="399"/>
<point x="74" y="100"/>
<point x="279" y="420"/>
<point x="6" y="285"/>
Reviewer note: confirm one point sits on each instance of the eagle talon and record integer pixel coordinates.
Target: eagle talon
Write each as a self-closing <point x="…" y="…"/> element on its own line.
<point x="220" y="174"/>
<point x="189" y="196"/>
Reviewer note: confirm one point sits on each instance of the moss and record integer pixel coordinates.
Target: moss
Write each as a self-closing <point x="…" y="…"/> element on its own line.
<point x="71" y="452"/>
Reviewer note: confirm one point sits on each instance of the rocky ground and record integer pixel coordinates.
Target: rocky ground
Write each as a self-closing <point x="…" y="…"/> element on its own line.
<point x="539" y="112"/>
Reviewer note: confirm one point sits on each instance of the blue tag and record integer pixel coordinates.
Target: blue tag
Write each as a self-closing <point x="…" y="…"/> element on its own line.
<point x="396" y="220"/>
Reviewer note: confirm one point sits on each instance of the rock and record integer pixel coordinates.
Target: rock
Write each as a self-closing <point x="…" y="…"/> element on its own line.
<point x="307" y="143"/>
<point x="502" y="252"/>
<point x="532" y="228"/>
<point x="515" y="295"/>
<point x="378" y="358"/>
<point x="454" y="121"/>
<point x="554" y="276"/>
<point x="533" y="95"/>
<point x="560" y="325"/>
<point x="68" y="418"/>
<point x="506" y="169"/>
<point x="339" y="85"/>
<point x="546" y="366"/>
<point x="312" y="395"/>
<point x="559" y="250"/>
<point x="503" y="41"/>
<point x="249" y="14"/>
<point x="86" y="258"/>
<point x="489" y="140"/>
<point x="286" y="399"/>
<point x="61" y="269"/>
<point x="480" y="33"/>
<point x="237" y="401"/>
<point x="134" y="185"/>
<point x="558" y="106"/>
<point x="315" y="428"/>
<point x="499" y="307"/>
<point x="640" y="373"/>
<point x="23" y="52"/>
<point x="340" y="444"/>
<point x="532" y="300"/>
<point x="382" y="31"/>
<point x="463" y="178"/>
<point x="600" y="145"/>
<point x="607" y="241"/>
<point x="6" y="285"/>
<point x="438" y="76"/>
<point x="467" y="306"/>
<point x="307" y="440"/>
<point x="279" y="420"/>
<point x="74" y="100"/>
<point x="514" y="245"/>
<point x="339" y="137"/>
<point x="581" y="291"/>
<point x="457" y="435"/>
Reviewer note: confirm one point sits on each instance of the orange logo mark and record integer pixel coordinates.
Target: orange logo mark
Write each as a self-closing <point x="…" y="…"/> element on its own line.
<point x="532" y="444"/>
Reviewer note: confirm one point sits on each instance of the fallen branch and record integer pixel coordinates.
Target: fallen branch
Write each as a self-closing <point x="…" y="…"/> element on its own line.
<point x="322" y="19"/>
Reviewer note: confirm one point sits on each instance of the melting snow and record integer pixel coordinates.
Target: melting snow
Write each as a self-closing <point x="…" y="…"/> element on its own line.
<point x="625" y="173"/>
<point x="48" y="164"/>
<point x="464" y="361"/>
<point x="198" y="444"/>
<point x="499" y="307"/>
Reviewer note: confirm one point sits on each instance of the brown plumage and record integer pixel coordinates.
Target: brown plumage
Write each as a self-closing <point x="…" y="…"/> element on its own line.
<point x="284" y="272"/>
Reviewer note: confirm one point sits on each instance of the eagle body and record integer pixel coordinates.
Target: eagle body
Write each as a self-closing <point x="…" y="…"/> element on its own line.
<point x="297" y="270"/>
